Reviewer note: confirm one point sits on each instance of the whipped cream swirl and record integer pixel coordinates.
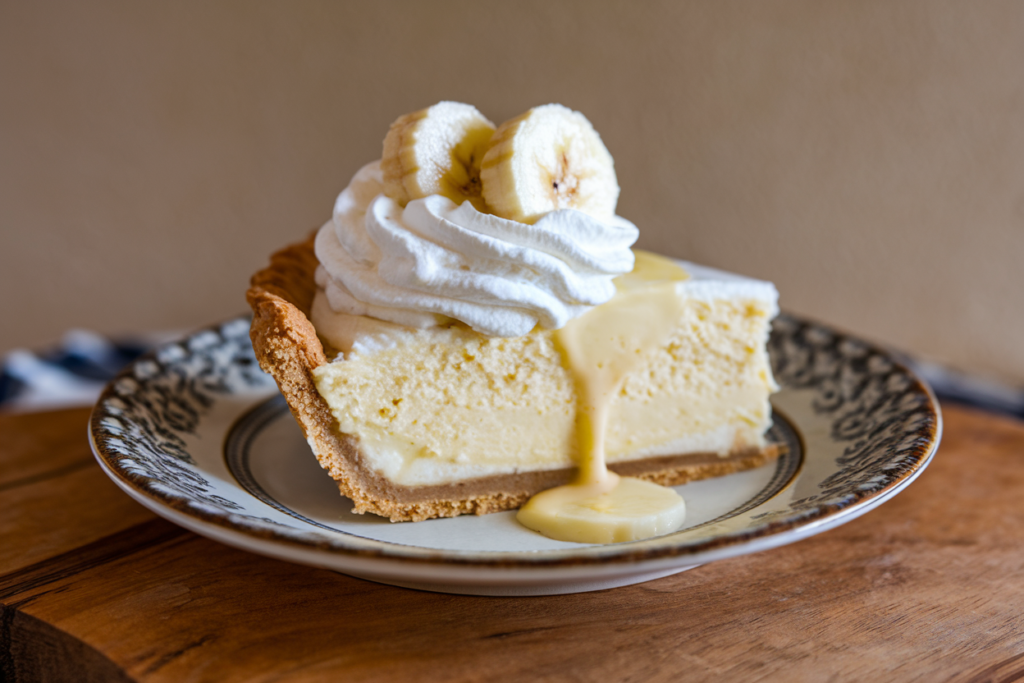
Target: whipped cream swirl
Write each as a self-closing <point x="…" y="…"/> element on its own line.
<point x="435" y="261"/>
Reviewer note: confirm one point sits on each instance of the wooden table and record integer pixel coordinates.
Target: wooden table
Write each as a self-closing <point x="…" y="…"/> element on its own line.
<point x="929" y="587"/>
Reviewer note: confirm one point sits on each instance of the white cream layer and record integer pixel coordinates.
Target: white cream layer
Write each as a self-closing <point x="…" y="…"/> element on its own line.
<point x="434" y="261"/>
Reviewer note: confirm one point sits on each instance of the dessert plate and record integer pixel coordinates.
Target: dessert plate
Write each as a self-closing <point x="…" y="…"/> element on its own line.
<point x="196" y="432"/>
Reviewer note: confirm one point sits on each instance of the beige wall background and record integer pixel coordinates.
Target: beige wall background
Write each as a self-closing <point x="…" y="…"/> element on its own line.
<point x="866" y="156"/>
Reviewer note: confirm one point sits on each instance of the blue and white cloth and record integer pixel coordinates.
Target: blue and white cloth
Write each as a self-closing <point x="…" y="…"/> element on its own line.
<point x="71" y="374"/>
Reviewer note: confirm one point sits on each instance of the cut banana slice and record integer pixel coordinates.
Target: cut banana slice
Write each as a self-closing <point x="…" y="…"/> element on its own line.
<point x="546" y="159"/>
<point x="437" y="150"/>
<point x="633" y="510"/>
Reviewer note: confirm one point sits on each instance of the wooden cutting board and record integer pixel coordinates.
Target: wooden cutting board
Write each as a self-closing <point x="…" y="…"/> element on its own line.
<point x="929" y="587"/>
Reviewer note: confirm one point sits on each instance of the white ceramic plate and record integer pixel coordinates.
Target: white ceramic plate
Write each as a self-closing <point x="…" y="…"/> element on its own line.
<point x="197" y="433"/>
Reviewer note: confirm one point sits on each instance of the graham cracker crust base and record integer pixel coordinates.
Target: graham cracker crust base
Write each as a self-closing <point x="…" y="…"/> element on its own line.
<point x="288" y="348"/>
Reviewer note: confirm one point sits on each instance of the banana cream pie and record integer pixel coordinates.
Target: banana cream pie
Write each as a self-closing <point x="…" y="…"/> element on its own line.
<point x="472" y="328"/>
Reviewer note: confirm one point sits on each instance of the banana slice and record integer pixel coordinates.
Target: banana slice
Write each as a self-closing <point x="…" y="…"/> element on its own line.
<point x="437" y="150"/>
<point x="633" y="510"/>
<point x="546" y="159"/>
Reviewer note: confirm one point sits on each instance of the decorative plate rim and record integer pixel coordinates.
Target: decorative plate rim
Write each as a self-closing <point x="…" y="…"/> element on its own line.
<point x="815" y="516"/>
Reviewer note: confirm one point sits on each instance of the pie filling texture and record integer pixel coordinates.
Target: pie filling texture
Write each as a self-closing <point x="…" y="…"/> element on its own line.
<point x="416" y="424"/>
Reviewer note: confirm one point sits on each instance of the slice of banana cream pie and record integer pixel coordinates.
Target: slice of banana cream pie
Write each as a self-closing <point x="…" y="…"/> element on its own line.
<point x="472" y="328"/>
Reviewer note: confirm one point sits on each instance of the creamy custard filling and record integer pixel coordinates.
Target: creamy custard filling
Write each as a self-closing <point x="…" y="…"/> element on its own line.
<point x="601" y="348"/>
<point x="445" y="404"/>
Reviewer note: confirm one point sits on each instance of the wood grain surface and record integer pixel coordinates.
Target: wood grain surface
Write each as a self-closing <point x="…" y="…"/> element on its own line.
<point x="929" y="587"/>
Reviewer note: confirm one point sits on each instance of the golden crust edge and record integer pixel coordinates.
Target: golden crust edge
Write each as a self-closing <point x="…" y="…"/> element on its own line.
<point x="288" y="348"/>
